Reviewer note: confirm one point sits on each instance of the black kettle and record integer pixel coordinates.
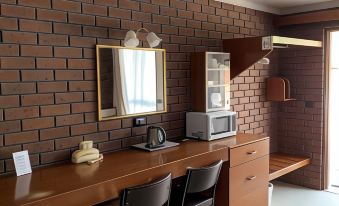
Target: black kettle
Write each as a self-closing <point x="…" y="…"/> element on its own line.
<point x="156" y="137"/>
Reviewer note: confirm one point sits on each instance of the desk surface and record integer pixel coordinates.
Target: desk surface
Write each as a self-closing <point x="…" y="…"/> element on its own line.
<point x="88" y="184"/>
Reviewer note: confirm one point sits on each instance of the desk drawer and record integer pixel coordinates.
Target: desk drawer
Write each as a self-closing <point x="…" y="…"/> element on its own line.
<point x="248" y="184"/>
<point x="246" y="153"/>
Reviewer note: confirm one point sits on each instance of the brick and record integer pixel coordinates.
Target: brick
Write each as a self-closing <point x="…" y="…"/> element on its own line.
<point x="18" y="88"/>
<point x="55" y="156"/>
<point x="71" y="29"/>
<point x="97" y="137"/>
<point x="36" y="3"/>
<point x="69" y="97"/>
<point x="53" y="133"/>
<point x="9" y="76"/>
<point x="107" y="22"/>
<point x="50" y="63"/>
<point x="120" y="13"/>
<point x="109" y="125"/>
<point x="121" y="133"/>
<point x="81" y="19"/>
<point x="68" y="142"/>
<point x="109" y="146"/>
<point x="81" y="64"/>
<point x="185" y="14"/>
<point x="193" y="7"/>
<point x="37" y="99"/>
<point x="36" y="51"/>
<point x="82" y="41"/>
<point x="95" y="32"/>
<point x="6" y="152"/>
<point x="141" y="16"/>
<point x="17" y="11"/>
<point x="67" y="52"/>
<point x="69" y="120"/>
<point x="8" y="23"/>
<point x="178" y="4"/>
<point x="82" y="86"/>
<point x="128" y="4"/>
<point x="150" y="8"/>
<point x="107" y="3"/>
<point x="53" y="110"/>
<point x="83" y="129"/>
<point x="68" y="75"/>
<point x="19" y="37"/>
<point x="21" y="113"/>
<point x="84" y="107"/>
<point x="46" y="87"/>
<point x="39" y="147"/>
<point x="37" y="75"/>
<point x="9" y="101"/>
<point x="10" y="126"/>
<point x="160" y="19"/>
<point x="51" y="15"/>
<point x="53" y="39"/>
<point x="166" y="11"/>
<point x="35" y="26"/>
<point x="66" y="5"/>
<point x="37" y="123"/>
<point x="20" y="138"/>
<point x="94" y="9"/>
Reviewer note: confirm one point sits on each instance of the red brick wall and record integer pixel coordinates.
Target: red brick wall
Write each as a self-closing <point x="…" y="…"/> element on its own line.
<point x="301" y="121"/>
<point x="48" y="80"/>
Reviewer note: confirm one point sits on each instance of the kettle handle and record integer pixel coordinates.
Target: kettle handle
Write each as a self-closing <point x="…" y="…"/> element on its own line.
<point x="164" y="135"/>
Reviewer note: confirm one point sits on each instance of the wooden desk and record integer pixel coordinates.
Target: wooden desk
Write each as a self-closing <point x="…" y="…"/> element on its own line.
<point x="68" y="184"/>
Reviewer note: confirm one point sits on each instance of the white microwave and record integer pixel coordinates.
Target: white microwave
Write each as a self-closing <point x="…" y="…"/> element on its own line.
<point x="211" y="126"/>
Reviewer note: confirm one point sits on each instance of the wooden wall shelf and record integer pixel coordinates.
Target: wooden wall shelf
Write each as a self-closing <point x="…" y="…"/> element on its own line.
<point x="245" y="52"/>
<point x="278" y="89"/>
<point x="281" y="164"/>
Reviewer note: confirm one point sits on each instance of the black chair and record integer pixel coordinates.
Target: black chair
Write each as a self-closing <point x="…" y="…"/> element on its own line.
<point x="201" y="185"/>
<point x="153" y="194"/>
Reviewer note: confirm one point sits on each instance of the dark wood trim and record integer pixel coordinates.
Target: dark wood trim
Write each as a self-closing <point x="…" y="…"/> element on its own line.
<point x="281" y="164"/>
<point x="307" y="18"/>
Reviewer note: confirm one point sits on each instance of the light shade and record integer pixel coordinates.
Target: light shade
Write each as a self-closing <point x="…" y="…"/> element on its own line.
<point x="264" y="61"/>
<point x="131" y="39"/>
<point x="153" y="40"/>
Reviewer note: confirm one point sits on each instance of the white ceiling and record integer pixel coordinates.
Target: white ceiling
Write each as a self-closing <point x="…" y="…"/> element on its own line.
<point x="285" y="6"/>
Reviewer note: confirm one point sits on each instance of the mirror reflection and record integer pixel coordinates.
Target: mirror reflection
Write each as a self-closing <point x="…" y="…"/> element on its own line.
<point x="130" y="81"/>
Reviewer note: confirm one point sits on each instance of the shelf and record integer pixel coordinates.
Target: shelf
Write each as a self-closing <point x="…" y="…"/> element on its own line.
<point x="281" y="164"/>
<point x="278" y="89"/>
<point x="245" y="52"/>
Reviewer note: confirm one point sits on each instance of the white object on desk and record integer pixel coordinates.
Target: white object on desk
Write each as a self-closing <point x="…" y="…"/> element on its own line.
<point x="22" y="163"/>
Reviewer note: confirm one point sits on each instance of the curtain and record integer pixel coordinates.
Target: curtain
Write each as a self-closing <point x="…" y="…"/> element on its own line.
<point x="137" y="81"/>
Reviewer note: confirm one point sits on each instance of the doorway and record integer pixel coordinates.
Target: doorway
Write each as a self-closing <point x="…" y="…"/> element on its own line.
<point x="333" y="111"/>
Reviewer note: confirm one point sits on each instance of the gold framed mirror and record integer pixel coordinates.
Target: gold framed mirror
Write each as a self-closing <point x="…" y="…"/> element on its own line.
<point x="131" y="81"/>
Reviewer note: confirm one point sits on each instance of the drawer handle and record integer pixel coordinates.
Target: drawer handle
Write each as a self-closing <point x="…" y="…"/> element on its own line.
<point x="251" y="177"/>
<point x="252" y="152"/>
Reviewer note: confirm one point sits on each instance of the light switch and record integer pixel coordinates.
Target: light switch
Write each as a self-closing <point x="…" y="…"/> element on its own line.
<point x="139" y="121"/>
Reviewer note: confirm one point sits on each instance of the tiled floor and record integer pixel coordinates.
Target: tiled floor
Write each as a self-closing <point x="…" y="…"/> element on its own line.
<point x="291" y="195"/>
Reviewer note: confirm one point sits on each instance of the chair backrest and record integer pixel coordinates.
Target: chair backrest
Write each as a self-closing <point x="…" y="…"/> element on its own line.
<point x="201" y="179"/>
<point x="153" y="194"/>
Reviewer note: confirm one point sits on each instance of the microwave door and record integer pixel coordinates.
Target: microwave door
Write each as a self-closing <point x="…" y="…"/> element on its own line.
<point x="220" y="125"/>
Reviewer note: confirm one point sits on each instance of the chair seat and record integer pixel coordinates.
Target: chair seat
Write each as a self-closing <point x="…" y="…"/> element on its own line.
<point x="198" y="200"/>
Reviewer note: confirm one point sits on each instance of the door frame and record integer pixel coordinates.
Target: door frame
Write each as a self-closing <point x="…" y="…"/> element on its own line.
<point x="327" y="71"/>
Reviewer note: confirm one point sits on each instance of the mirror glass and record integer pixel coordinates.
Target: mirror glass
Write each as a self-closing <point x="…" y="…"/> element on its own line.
<point x="131" y="81"/>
